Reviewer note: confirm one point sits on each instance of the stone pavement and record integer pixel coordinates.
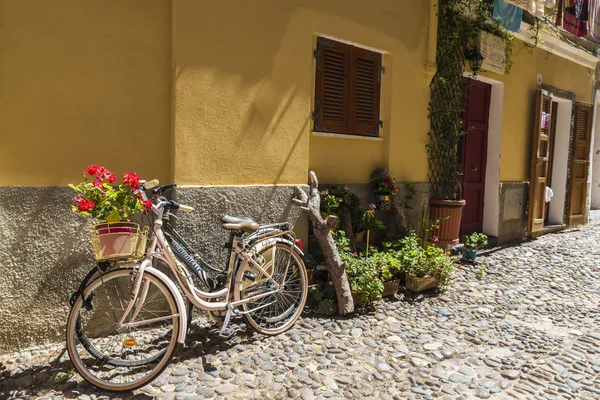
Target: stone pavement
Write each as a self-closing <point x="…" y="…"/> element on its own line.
<point x="528" y="329"/>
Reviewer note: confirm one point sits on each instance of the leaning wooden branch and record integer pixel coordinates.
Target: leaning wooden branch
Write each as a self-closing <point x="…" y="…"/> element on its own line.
<point x="311" y="205"/>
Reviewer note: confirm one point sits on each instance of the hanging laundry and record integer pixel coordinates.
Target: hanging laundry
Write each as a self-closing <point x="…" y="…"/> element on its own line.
<point x="594" y="19"/>
<point x="576" y="17"/>
<point x="549" y="194"/>
<point x="534" y="7"/>
<point x="509" y="15"/>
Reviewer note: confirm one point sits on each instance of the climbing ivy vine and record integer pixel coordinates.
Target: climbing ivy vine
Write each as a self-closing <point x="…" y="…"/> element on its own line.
<point x="459" y="25"/>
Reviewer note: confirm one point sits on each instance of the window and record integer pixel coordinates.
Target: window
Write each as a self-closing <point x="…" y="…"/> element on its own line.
<point x="347" y="89"/>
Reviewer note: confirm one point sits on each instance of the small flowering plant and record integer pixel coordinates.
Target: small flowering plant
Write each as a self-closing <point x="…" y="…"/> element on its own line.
<point x="97" y="198"/>
<point x="384" y="186"/>
<point x="383" y="183"/>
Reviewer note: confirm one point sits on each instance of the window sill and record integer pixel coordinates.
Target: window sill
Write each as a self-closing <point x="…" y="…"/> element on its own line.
<point x="344" y="136"/>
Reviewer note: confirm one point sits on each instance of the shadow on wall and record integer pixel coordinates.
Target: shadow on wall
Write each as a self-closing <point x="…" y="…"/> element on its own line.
<point x="267" y="23"/>
<point x="258" y="64"/>
<point x="44" y="253"/>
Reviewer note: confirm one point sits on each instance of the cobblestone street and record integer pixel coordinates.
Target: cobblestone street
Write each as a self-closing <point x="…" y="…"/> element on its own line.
<point x="523" y="324"/>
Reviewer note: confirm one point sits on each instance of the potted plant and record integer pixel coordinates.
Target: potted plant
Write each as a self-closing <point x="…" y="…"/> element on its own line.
<point x="389" y="267"/>
<point x="425" y="268"/>
<point x="385" y="188"/>
<point x="115" y="236"/>
<point x="474" y="242"/>
<point x="369" y="222"/>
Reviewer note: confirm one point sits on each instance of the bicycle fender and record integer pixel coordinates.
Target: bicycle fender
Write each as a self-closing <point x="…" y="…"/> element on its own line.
<point x="178" y="300"/>
<point x="267" y="242"/>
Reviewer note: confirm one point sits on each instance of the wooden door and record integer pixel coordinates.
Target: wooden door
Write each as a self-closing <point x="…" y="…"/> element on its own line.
<point x="580" y="162"/>
<point x="552" y="141"/>
<point x="474" y="154"/>
<point x="539" y="161"/>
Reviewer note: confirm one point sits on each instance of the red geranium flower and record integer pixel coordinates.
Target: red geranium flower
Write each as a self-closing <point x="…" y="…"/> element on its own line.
<point x="131" y="179"/>
<point x="85" y="205"/>
<point x="92" y="169"/>
<point x="78" y="199"/>
<point x="394" y="187"/>
<point x="387" y="180"/>
<point x="147" y="205"/>
<point x="111" y="177"/>
<point x="98" y="184"/>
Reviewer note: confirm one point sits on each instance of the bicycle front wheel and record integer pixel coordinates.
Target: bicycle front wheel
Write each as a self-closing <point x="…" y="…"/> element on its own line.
<point x="121" y="358"/>
<point x="277" y="312"/>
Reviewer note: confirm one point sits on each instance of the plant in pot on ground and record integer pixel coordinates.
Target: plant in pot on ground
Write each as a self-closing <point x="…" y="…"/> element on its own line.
<point x="474" y="242"/>
<point x="388" y="266"/>
<point x="425" y="268"/>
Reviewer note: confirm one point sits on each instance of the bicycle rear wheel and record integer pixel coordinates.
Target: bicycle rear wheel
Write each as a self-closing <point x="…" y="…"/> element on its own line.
<point x="275" y="313"/>
<point x="122" y="358"/>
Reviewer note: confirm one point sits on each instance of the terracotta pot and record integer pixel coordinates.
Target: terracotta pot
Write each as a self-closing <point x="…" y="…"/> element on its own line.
<point x="449" y="230"/>
<point x="415" y="284"/>
<point x="390" y="287"/>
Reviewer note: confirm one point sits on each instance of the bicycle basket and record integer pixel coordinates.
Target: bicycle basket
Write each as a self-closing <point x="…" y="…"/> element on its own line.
<point x="119" y="240"/>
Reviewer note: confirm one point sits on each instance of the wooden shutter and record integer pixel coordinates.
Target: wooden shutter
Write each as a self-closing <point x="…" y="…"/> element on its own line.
<point x="366" y="84"/>
<point x="580" y="162"/>
<point x="539" y="162"/>
<point x="332" y="89"/>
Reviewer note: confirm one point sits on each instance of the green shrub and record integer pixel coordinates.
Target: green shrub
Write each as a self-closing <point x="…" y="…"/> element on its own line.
<point x="421" y="261"/>
<point x="363" y="273"/>
<point x="475" y="241"/>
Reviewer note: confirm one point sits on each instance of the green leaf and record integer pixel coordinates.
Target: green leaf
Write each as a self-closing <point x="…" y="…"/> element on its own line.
<point x="114" y="216"/>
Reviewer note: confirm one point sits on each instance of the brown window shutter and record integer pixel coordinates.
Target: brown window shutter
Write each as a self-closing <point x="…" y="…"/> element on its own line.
<point x="580" y="163"/>
<point x="332" y="89"/>
<point x="366" y="85"/>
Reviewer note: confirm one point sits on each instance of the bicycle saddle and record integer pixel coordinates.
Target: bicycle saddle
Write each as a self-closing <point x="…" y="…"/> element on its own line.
<point x="239" y="224"/>
<point x="226" y="219"/>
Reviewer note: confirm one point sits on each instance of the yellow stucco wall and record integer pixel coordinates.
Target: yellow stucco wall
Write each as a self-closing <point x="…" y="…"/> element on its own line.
<point x="221" y="93"/>
<point x="244" y="78"/>
<point x="519" y="102"/>
<point x="83" y="81"/>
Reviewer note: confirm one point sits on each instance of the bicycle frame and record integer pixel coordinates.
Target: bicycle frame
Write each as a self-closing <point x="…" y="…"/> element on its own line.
<point x="159" y="248"/>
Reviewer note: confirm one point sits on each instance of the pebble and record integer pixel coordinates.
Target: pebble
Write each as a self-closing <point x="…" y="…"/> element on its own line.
<point x="507" y="335"/>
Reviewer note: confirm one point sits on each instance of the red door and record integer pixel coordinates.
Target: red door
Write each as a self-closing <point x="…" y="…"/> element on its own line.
<point x="474" y="153"/>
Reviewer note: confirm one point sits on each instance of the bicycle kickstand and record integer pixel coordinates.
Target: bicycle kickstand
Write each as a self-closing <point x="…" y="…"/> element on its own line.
<point x="225" y="332"/>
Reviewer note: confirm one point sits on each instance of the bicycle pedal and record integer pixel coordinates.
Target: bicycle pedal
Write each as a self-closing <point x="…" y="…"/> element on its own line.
<point x="228" y="333"/>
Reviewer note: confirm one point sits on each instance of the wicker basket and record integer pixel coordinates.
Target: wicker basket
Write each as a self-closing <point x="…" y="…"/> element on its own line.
<point x="119" y="240"/>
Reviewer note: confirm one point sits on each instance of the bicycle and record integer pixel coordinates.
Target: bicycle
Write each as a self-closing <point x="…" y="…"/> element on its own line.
<point x="128" y="318"/>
